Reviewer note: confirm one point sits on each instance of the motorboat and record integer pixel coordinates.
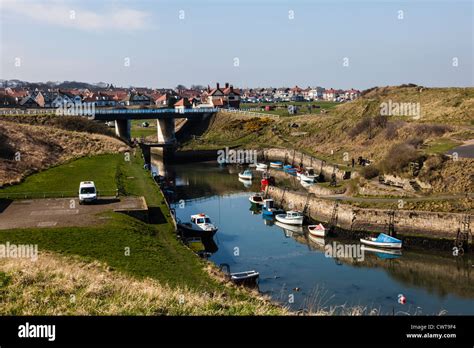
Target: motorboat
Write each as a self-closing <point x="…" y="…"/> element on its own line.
<point x="317" y="230"/>
<point x="246" y="174"/>
<point x="308" y="175"/>
<point x="262" y="166"/>
<point x="269" y="208"/>
<point x="276" y="164"/>
<point x="383" y="241"/>
<point x="256" y="199"/>
<point x="291" y="217"/>
<point x="200" y="226"/>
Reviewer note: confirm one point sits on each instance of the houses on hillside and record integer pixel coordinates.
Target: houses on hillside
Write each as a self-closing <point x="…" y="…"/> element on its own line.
<point x="225" y="96"/>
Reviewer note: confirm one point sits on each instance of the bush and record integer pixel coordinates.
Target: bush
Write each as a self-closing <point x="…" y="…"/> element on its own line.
<point x="363" y="125"/>
<point x="6" y="150"/>
<point x="431" y="129"/>
<point x="399" y="157"/>
<point x="416" y="142"/>
<point x="391" y="130"/>
<point x="370" y="172"/>
<point x="380" y="121"/>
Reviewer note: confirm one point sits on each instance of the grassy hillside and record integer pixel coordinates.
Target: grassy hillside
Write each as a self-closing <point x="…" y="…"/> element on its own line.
<point x="27" y="148"/>
<point x="357" y="128"/>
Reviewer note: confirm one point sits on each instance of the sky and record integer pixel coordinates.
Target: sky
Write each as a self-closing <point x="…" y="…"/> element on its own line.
<point x="163" y="43"/>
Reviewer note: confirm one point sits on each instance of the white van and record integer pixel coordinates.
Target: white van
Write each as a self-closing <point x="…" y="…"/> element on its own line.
<point x="87" y="192"/>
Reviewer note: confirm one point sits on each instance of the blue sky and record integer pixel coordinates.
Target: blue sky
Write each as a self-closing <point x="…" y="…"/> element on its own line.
<point x="272" y="48"/>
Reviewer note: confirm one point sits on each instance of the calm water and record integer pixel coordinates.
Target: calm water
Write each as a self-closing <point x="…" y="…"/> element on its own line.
<point x="295" y="270"/>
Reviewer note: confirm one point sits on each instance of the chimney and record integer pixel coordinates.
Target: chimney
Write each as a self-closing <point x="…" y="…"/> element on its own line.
<point x="227" y="85"/>
<point x="217" y="85"/>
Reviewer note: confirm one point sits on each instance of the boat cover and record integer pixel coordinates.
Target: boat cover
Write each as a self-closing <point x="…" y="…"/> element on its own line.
<point x="385" y="238"/>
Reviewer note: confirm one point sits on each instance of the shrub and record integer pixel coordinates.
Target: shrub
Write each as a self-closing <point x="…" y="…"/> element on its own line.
<point x="399" y="157"/>
<point x="380" y="121"/>
<point x="363" y="125"/>
<point x="6" y="150"/>
<point x="391" y="130"/>
<point x="370" y="172"/>
<point x="431" y="129"/>
<point x="415" y="142"/>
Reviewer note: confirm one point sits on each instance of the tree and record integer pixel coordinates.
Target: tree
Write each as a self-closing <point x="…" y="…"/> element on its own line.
<point x="180" y="87"/>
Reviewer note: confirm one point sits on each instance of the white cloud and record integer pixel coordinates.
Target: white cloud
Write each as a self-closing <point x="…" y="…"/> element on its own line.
<point x="71" y="15"/>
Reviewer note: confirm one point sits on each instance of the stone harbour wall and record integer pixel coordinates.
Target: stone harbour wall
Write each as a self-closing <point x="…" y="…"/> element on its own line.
<point x="410" y="222"/>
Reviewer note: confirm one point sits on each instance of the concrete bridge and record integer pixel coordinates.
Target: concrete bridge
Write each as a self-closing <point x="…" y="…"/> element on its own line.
<point x="165" y="120"/>
<point x="122" y="117"/>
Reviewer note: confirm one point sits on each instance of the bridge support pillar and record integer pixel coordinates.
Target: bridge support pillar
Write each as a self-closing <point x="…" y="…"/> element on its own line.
<point x="165" y="129"/>
<point x="123" y="129"/>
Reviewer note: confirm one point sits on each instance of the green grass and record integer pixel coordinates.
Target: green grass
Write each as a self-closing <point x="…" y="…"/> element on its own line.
<point x="441" y="146"/>
<point x="64" y="179"/>
<point x="154" y="251"/>
<point x="138" y="131"/>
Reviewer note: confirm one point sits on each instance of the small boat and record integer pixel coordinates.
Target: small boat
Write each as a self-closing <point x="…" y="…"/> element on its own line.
<point x="291" y="218"/>
<point x="256" y="199"/>
<point x="252" y="165"/>
<point x="246" y="174"/>
<point x="276" y="164"/>
<point x="269" y="207"/>
<point x="308" y="175"/>
<point x="262" y="166"/>
<point x="317" y="230"/>
<point x="245" y="277"/>
<point x="383" y="241"/>
<point x="200" y="226"/>
<point x="289" y="169"/>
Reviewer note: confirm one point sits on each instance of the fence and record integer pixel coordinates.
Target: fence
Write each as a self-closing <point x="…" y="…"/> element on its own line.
<point x="53" y="194"/>
<point x="250" y="113"/>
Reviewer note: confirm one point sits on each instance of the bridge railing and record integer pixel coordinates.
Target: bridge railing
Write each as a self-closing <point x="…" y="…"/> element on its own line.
<point x="99" y="111"/>
<point x="53" y="194"/>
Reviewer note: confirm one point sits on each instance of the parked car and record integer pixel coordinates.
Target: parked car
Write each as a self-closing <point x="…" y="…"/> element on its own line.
<point x="87" y="192"/>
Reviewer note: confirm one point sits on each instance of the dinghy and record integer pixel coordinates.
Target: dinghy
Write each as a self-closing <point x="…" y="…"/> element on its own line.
<point x="256" y="199"/>
<point x="317" y="230"/>
<point x="247" y="183"/>
<point x="289" y="169"/>
<point x="246" y="174"/>
<point x="383" y="241"/>
<point x="276" y="164"/>
<point x="291" y="218"/>
<point x="261" y="166"/>
<point x="200" y="226"/>
<point x="246" y="277"/>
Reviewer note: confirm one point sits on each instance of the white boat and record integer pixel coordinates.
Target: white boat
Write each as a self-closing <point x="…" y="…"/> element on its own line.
<point x="308" y="176"/>
<point x="383" y="241"/>
<point x="200" y="226"/>
<point x="256" y="199"/>
<point x="244" y="277"/>
<point x="276" y="164"/>
<point x="317" y="230"/>
<point x="262" y="166"/>
<point x="291" y="218"/>
<point x="246" y="174"/>
<point x="252" y="165"/>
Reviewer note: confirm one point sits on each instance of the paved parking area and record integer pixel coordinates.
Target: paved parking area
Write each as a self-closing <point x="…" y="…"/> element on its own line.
<point x="57" y="212"/>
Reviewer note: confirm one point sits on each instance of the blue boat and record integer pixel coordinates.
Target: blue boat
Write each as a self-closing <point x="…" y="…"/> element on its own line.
<point x="383" y="241"/>
<point x="276" y="164"/>
<point x="268" y="208"/>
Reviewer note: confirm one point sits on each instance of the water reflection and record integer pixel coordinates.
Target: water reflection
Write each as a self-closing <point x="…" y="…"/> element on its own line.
<point x="287" y="257"/>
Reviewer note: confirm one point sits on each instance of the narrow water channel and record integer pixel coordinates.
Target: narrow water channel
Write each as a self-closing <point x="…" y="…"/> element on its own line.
<point x="294" y="268"/>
